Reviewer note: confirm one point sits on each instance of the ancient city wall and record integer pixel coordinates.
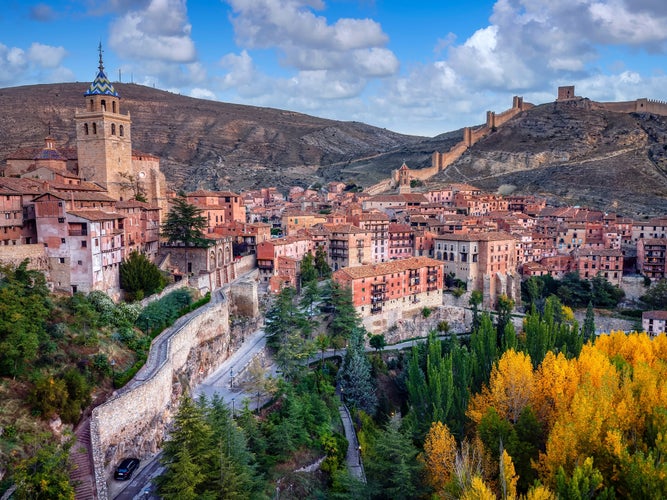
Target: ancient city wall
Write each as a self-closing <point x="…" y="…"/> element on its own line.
<point x="638" y="106"/>
<point x="133" y="422"/>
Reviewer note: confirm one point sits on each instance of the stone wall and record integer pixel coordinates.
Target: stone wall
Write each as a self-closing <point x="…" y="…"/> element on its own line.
<point x="36" y="255"/>
<point x="134" y="421"/>
<point x="416" y="326"/>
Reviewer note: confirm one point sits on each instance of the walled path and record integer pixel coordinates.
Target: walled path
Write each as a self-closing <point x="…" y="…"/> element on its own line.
<point x="353" y="457"/>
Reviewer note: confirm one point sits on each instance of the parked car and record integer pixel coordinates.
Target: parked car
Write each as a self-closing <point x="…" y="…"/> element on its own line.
<point x="126" y="468"/>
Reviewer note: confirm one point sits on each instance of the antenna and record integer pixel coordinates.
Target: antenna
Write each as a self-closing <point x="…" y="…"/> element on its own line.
<point x="120" y="79"/>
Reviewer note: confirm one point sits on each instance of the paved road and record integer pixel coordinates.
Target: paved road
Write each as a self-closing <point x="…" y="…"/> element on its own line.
<point x="220" y="381"/>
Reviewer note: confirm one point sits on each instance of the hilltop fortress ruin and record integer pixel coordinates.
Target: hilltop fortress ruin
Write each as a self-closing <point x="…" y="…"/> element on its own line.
<point x="402" y="176"/>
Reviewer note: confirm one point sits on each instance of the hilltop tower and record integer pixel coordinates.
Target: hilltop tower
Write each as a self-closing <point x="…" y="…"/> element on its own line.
<point x="103" y="137"/>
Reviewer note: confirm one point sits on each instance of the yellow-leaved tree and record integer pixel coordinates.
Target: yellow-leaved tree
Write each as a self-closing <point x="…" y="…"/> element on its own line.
<point x="439" y="455"/>
<point x="510" y="388"/>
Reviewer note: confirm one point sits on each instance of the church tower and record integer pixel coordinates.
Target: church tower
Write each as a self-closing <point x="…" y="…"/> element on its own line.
<point x="103" y="138"/>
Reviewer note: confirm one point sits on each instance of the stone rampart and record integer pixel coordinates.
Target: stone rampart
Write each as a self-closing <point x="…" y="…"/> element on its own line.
<point x="165" y="291"/>
<point x="134" y="421"/>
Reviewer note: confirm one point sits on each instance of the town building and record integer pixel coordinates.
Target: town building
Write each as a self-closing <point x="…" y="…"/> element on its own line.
<point x="652" y="257"/>
<point x="383" y="293"/>
<point x="484" y="261"/>
<point x="654" y="322"/>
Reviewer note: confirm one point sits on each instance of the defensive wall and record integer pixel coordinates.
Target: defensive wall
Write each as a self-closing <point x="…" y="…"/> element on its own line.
<point x="135" y="420"/>
<point x="440" y="161"/>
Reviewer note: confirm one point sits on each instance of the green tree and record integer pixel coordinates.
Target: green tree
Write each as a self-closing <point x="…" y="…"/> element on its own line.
<point x="586" y="482"/>
<point x="377" y="342"/>
<point x="310" y="294"/>
<point x="308" y="270"/>
<point x="185" y="224"/>
<point x="232" y="474"/>
<point x="345" y="317"/>
<point x="45" y="474"/>
<point x="287" y="330"/>
<point x="393" y="469"/>
<point x="484" y="350"/>
<point x="462" y="371"/>
<point x="588" y="329"/>
<point x="139" y="277"/>
<point x="355" y="377"/>
<point x="187" y="455"/>
<point x="24" y="309"/>
<point x="656" y="296"/>
<point x="475" y="301"/>
<point x="321" y="264"/>
<point x="504" y="308"/>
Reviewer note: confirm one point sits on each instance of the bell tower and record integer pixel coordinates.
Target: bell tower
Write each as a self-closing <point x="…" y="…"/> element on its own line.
<point x="103" y="137"/>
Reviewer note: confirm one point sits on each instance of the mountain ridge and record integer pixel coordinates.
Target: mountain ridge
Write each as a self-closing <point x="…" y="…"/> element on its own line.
<point x="572" y="152"/>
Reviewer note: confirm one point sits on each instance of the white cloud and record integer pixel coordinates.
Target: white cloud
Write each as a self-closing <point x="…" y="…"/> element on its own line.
<point x="202" y="94"/>
<point x="332" y="60"/>
<point x="46" y="55"/>
<point x="160" y="32"/>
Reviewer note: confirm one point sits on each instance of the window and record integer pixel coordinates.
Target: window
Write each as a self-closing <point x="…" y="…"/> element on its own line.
<point x="84" y="244"/>
<point x="61" y="220"/>
<point x="85" y="129"/>
<point x="113" y="129"/>
<point x="6" y="216"/>
<point x="62" y="240"/>
<point x="79" y="262"/>
<point x="121" y="131"/>
<point x="61" y="260"/>
<point x="94" y="128"/>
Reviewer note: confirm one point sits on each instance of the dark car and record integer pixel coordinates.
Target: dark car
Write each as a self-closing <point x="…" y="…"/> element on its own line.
<point x="126" y="468"/>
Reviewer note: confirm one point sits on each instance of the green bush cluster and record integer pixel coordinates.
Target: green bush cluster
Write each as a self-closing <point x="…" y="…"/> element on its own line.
<point x="162" y="313"/>
<point x="66" y="395"/>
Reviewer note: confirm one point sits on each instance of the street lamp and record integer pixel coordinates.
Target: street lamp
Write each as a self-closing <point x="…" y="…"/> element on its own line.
<point x="359" y="454"/>
<point x="342" y="394"/>
<point x="231" y="384"/>
<point x="113" y="373"/>
<point x="233" y="409"/>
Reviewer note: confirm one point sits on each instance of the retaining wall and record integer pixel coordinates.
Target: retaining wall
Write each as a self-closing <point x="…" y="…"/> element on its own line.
<point x="135" y="420"/>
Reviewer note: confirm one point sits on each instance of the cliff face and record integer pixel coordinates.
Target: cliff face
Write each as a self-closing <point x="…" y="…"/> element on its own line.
<point x="572" y="154"/>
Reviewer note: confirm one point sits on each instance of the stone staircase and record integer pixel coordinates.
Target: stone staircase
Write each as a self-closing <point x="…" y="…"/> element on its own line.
<point x="82" y="475"/>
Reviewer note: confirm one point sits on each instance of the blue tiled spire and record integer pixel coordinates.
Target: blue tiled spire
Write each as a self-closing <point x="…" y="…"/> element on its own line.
<point x="101" y="85"/>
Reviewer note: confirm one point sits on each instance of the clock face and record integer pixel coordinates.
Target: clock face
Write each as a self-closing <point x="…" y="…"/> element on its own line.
<point x="142" y="174"/>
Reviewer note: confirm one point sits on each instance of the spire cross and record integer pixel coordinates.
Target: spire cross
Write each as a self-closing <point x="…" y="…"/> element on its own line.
<point x="99" y="48"/>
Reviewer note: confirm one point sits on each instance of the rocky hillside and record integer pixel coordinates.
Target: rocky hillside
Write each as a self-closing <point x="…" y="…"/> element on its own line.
<point x="574" y="155"/>
<point x="209" y="144"/>
<point x="566" y="151"/>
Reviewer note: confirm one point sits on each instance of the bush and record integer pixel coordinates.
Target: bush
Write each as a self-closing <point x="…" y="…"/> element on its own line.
<point x="139" y="277"/>
<point x="160" y="314"/>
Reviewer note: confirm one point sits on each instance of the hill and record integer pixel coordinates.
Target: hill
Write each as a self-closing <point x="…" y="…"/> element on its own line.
<point x="573" y="154"/>
<point x="207" y="144"/>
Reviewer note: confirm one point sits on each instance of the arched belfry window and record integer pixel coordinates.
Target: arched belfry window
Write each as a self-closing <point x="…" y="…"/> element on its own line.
<point x="113" y="129"/>
<point x="113" y="106"/>
<point x="94" y="128"/>
<point x="85" y="128"/>
<point x="91" y="105"/>
<point x="121" y="131"/>
<point x="104" y="104"/>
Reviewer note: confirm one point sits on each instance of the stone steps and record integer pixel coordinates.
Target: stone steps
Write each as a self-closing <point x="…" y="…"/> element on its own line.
<point x="82" y="473"/>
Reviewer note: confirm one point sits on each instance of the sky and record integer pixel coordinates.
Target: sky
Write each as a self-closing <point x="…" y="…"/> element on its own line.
<point x="415" y="67"/>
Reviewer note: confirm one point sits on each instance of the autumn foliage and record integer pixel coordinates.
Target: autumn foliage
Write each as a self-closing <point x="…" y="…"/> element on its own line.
<point x="602" y="414"/>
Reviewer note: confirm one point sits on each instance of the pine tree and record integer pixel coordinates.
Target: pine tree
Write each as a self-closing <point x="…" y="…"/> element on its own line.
<point x="355" y="374"/>
<point x="185" y="224"/>
<point x="308" y="271"/>
<point x="139" y="277"/>
<point x="323" y="269"/>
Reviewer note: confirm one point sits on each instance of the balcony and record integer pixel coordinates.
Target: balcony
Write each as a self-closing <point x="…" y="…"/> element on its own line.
<point x="376" y="308"/>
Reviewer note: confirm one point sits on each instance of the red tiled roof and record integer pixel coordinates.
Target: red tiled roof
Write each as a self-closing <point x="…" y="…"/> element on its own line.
<point x="384" y="268"/>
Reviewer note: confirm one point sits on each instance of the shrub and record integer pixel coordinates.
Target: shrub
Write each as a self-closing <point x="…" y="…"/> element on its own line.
<point x="157" y="315"/>
<point x="139" y="277"/>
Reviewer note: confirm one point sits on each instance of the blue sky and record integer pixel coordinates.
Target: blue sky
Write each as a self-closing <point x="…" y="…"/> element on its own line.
<point x="420" y="67"/>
